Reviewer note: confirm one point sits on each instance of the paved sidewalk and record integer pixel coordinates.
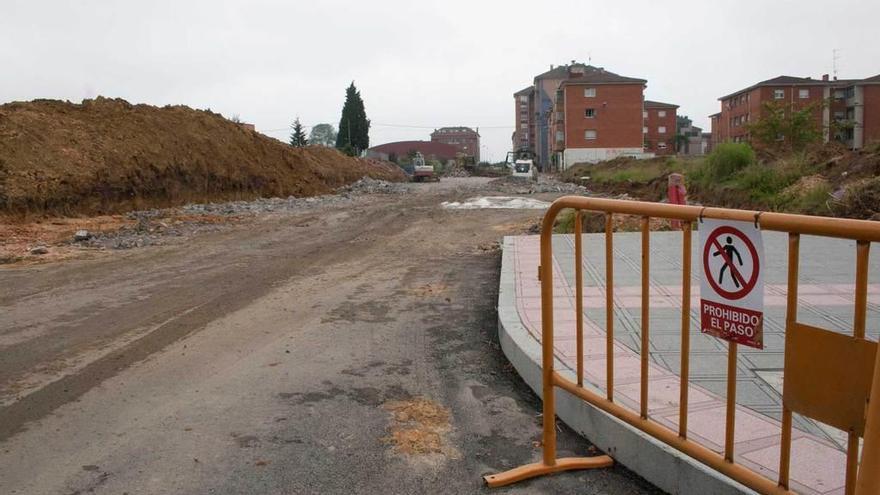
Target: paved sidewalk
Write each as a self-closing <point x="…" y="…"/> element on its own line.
<point x="826" y="300"/>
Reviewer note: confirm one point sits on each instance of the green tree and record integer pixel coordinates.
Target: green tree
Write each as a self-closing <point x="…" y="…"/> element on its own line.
<point x="354" y="126"/>
<point x="779" y="129"/>
<point x="298" y="136"/>
<point x="323" y="135"/>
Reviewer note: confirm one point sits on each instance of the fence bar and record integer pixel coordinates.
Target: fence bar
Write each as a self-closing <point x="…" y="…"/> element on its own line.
<point x="861" y="303"/>
<point x="646" y="294"/>
<point x="730" y="418"/>
<point x="865" y="230"/>
<point x="868" y="481"/>
<point x="548" y="395"/>
<point x="579" y="295"/>
<point x="609" y="305"/>
<point x="794" y="242"/>
<point x="685" y="328"/>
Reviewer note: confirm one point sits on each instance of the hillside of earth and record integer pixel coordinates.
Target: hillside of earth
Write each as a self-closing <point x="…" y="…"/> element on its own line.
<point x="109" y="156"/>
<point x="827" y="180"/>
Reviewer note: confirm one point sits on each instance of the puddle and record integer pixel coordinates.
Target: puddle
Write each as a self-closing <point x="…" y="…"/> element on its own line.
<point x="507" y="202"/>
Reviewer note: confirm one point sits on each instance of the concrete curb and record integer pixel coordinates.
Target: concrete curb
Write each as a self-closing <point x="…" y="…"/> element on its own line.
<point x="660" y="464"/>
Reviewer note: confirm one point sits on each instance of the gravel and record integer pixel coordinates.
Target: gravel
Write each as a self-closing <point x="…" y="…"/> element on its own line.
<point x="544" y="184"/>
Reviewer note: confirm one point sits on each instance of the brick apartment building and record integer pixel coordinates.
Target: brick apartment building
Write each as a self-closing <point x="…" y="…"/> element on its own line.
<point x="465" y="139"/>
<point x="660" y="127"/>
<point x="524" y="135"/>
<point x="581" y="113"/>
<point x="847" y="110"/>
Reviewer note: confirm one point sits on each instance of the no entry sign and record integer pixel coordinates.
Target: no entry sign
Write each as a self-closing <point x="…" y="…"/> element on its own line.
<point x="732" y="285"/>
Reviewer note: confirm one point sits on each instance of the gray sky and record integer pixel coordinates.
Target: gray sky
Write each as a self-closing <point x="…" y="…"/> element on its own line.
<point x="416" y="63"/>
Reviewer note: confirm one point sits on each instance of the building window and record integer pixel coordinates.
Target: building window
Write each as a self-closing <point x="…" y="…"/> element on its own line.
<point x="589" y="134"/>
<point x="661" y="145"/>
<point x="838" y="115"/>
<point x="780" y="137"/>
<point x="778" y="94"/>
<point x="645" y="114"/>
<point x="803" y="93"/>
<point x="589" y="92"/>
<point x="644" y="130"/>
<point x="661" y="129"/>
<point x="560" y="136"/>
<point x="590" y="113"/>
<point x="839" y="94"/>
<point x="661" y="113"/>
<point x="524" y="99"/>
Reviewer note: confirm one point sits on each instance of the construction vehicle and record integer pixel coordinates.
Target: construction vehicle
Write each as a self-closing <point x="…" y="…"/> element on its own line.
<point x="522" y="164"/>
<point x="421" y="170"/>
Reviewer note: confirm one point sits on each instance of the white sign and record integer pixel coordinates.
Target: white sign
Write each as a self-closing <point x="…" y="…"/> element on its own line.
<point x="732" y="284"/>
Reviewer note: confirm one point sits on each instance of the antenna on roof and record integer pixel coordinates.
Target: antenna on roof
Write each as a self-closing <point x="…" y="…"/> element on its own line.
<point x="834" y="58"/>
<point x="589" y="57"/>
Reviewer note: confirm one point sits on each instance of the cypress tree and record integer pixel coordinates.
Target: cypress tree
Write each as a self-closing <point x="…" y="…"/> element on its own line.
<point x="354" y="126"/>
<point x="298" y="136"/>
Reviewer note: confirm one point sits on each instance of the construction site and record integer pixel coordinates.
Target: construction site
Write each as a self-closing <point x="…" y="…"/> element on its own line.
<point x="416" y="294"/>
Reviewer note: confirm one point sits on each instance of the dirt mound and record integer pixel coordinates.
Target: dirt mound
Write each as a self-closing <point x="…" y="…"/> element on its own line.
<point x="107" y="155"/>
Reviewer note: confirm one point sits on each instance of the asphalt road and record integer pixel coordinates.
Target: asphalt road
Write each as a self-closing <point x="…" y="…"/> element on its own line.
<point x="346" y="350"/>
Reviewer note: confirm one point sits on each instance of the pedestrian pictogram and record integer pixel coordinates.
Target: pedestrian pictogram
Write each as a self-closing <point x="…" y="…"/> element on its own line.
<point x="732" y="289"/>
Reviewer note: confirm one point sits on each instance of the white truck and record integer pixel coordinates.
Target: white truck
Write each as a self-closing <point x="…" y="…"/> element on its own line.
<point x="522" y="164"/>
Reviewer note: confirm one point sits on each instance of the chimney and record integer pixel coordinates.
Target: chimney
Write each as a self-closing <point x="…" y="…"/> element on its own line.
<point x="825" y="77"/>
<point x="572" y="62"/>
<point x="835" y="78"/>
<point x="551" y="68"/>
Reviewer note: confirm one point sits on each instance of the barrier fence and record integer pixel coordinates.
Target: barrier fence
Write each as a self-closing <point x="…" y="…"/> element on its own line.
<point x="828" y="376"/>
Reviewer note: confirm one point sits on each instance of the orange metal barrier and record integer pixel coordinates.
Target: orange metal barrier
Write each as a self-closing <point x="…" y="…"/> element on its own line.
<point x="817" y="361"/>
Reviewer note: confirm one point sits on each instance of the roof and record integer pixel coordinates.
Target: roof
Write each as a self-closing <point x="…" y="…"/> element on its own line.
<point x="525" y="91"/>
<point x="450" y="130"/>
<point x="657" y="104"/>
<point x="557" y="72"/>
<point x="875" y="79"/>
<point x="427" y="148"/>
<point x="716" y="114"/>
<point x="783" y="81"/>
<point x="598" y="75"/>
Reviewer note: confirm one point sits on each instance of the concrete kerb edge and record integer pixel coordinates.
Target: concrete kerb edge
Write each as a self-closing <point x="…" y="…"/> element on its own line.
<point x="660" y="464"/>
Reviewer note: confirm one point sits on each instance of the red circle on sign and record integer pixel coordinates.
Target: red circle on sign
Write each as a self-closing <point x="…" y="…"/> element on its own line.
<point x="749" y="284"/>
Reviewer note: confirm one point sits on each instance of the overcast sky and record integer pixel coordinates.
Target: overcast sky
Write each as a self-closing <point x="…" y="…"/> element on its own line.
<point x="417" y="63"/>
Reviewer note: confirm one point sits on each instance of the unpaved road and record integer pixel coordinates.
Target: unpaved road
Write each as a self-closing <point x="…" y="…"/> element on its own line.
<point x="346" y="350"/>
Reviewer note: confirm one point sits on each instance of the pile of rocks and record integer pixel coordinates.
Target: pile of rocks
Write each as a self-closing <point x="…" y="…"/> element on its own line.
<point x="367" y="185"/>
<point x="544" y="184"/>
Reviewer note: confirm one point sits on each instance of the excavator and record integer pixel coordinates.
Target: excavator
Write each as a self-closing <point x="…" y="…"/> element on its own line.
<point x="421" y="170"/>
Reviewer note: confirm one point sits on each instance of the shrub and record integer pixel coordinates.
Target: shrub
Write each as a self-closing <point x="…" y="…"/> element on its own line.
<point x="727" y="159"/>
<point x="861" y="200"/>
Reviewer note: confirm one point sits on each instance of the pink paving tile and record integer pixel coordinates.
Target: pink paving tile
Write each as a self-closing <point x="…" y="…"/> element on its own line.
<point x="594" y="302"/>
<point x="627" y="367"/>
<point x="594" y="347"/>
<point x="709" y="424"/>
<point x="774" y="300"/>
<point x="813" y="464"/>
<point x="824" y="300"/>
<point x="663" y="394"/>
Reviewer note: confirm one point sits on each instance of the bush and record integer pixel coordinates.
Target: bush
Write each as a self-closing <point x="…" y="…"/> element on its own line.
<point x="861" y="200"/>
<point x="727" y="159"/>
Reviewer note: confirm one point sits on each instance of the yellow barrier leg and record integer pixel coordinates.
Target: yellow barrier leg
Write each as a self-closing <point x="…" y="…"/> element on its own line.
<point x="549" y="464"/>
<point x="540" y="469"/>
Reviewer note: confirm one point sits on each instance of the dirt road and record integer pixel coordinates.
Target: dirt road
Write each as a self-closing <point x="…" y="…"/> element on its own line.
<point x="343" y="350"/>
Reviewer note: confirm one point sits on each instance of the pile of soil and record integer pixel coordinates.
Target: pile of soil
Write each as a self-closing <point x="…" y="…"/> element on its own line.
<point x="107" y="155"/>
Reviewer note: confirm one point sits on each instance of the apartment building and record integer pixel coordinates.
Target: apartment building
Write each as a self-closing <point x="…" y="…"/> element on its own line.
<point x="598" y="115"/>
<point x="524" y="135"/>
<point x="847" y="110"/>
<point x="465" y="139"/>
<point x="660" y="127"/>
<point x="582" y="113"/>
